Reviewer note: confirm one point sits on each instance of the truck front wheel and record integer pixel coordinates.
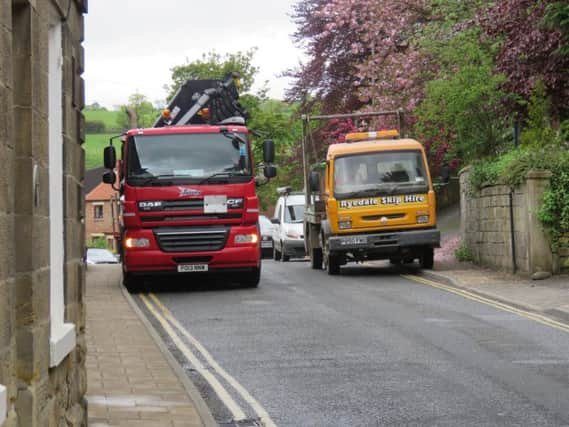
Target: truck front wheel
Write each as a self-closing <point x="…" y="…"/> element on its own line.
<point x="332" y="264"/>
<point x="427" y="258"/>
<point x="130" y="283"/>
<point x="251" y="279"/>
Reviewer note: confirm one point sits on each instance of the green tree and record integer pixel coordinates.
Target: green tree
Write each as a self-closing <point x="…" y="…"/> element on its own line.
<point x="462" y="109"/>
<point x="213" y="65"/>
<point x="145" y="112"/>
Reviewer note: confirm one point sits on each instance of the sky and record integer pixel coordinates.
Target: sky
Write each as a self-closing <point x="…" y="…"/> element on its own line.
<point x="131" y="45"/>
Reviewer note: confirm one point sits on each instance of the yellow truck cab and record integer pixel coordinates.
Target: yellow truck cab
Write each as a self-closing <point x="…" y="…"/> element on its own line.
<point x="372" y="199"/>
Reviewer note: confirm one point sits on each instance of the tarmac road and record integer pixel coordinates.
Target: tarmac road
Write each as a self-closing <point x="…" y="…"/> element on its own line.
<point x="366" y="348"/>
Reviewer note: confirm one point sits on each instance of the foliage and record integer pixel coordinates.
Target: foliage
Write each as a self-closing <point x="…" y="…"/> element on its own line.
<point x="213" y="65"/>
<point x="94" y="126"/>
<point x="463" y="254"/>
<point x="511" y="168"/>
<point x="462" y="110"/>
<point x="537" y="130"/>
<point x="557" y="18"/>
<point x="554" y="208"/>
<point x="98" y="242"/>
<point x="145" y="112"/>
<point x="528" y="49"/>
<point x="371" y="53"/>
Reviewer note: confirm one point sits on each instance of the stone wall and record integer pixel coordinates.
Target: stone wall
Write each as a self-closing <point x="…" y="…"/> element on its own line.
<point x="38" y="394"/>
<point x="487" y="217"/>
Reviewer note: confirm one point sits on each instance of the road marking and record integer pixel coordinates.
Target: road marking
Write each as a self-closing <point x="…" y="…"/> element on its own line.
<point x="236" y="411"/>
<point x="499" y="305"/>
<point x="257" y="407"/>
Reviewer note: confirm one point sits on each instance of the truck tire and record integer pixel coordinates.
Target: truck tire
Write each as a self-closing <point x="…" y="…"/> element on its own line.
<point x="251" y="279"/>
<point x="427" y="258"/>
<point x="130" y="283"/>
<point x="276" y="254"/>
<point x="332" y="265"/>
<point x="316" y="258"/>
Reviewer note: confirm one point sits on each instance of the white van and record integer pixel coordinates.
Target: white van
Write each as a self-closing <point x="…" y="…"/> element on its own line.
<point x="288" y="235"/>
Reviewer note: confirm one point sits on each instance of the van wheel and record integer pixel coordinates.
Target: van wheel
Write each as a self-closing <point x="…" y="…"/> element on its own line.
<point x="276" y="254"/>
<point x="316" y="258"/>
<point x="427" y="258"/>
<point x="251" y="279"/>
<point x="284" y="257"/>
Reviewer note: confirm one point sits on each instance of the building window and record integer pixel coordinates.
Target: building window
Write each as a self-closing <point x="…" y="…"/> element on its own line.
<point x="98" y="211"/>
<point x="62" y="335"/>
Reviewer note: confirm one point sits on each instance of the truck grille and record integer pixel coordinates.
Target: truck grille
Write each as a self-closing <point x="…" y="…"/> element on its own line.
<point x="183" y="205"/>
<point x="193" y="239"/>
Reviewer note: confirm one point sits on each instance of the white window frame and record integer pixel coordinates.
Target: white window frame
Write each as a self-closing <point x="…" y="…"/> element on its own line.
<point x="62" y="335"/>
<point x="3" y="403"/>
<point x="95" y="206"/>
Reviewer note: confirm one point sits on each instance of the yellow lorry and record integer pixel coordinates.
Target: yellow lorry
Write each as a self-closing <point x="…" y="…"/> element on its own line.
<point x="371" y="199"/>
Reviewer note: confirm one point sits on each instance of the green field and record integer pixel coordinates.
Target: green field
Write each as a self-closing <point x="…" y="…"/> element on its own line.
<point x="94" y="145"/>
<point x="109" y="118"/>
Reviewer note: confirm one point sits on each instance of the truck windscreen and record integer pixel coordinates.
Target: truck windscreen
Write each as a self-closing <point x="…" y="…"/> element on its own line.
<point x="186" y="157"/>
<point x="378" y="173"/>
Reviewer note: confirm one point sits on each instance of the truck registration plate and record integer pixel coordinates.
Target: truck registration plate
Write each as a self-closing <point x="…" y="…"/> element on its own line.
<point x="188" y="268"/>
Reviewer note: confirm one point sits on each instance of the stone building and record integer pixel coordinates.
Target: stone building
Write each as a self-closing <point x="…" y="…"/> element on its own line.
<point x="42" y="317"/>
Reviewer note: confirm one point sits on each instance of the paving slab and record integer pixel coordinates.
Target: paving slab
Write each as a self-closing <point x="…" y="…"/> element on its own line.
<point x="131" y="380"/>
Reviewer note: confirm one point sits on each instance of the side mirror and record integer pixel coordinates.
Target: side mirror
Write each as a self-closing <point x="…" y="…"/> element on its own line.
<point x="268" y="151"/>
<point x="110" y="157"/>
<point x="314" y="181"/>
<point x="109" y="177"/>
<point x="275" y="221"/>
<point x="270" y="171"/>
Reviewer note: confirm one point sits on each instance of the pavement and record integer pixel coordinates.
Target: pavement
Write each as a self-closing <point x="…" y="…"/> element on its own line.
<point x="132" y="380"/>
<point x="548" y="297"/>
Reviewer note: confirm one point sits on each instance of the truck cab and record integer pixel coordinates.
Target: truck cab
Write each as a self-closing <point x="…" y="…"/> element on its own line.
<point x="371" y="199"/>
<point x="188" y="190"/>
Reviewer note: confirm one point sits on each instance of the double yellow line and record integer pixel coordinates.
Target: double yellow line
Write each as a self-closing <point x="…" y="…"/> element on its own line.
<point x="501" y="306"/>
<point x="170" y="324"/>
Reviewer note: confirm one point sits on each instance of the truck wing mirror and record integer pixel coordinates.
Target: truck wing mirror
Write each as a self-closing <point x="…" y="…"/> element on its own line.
<point x="110" y="157"/>
<point x="270" y="171"/>
<point x="314" y="180"/>
<point x="268" y="151"/>
<point x="275" y="221"/>
<point x="109" y="177"/>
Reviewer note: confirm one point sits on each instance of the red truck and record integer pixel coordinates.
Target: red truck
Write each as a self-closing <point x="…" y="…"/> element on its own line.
<point x="188" y="189"/>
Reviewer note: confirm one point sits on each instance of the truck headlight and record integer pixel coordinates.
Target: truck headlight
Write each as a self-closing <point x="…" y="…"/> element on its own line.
<point x="422" y="219"/>
<point x="246" y="238"/>
<point x="343" y="225"/>
<point x="137" y="243"/>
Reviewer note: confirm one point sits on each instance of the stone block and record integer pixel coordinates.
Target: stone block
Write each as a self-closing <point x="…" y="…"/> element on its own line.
<point x="24" y="177"/>
<point x="32" y="353"/>
<point x="23" y="247"/>
<point x="6" y="318"/>
<point x="7" y="248"/>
